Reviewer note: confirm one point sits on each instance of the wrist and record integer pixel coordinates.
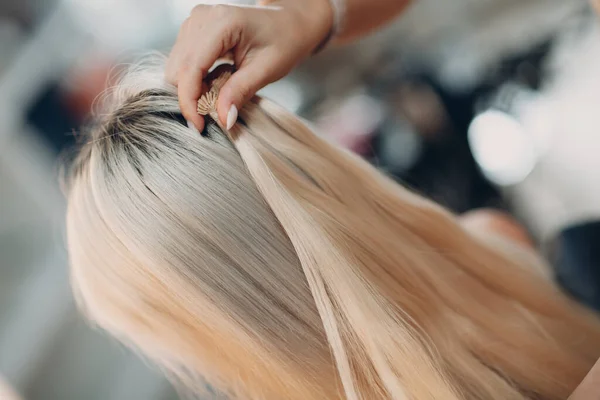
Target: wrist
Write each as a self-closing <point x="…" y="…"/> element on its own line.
<point x="314" y="20"/>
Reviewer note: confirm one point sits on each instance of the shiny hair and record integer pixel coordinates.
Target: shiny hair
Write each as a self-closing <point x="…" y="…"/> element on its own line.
<point x="275" y="265"/>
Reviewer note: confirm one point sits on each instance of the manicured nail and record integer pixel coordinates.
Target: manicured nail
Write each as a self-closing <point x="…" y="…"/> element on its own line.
<point x="232" y="116"/>
<point x="191" y="125"/>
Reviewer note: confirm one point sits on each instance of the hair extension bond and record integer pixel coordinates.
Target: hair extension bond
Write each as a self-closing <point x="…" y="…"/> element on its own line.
<point x="274" y="265"/>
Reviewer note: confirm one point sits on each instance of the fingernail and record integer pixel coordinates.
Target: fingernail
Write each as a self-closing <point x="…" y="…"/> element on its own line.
<point x="232" y="116"/>
<point x="191" y="125"/>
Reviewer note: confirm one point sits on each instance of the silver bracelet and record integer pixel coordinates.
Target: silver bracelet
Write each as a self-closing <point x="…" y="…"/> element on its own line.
<point x="338" y="8"/>
<point x="339" y="15"/>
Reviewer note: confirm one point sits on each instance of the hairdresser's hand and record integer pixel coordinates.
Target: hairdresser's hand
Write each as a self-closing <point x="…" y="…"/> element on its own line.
<point x="266" y="43"/>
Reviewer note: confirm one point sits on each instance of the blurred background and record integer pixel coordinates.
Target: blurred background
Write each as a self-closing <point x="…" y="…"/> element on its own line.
<point x="474" y="103"/>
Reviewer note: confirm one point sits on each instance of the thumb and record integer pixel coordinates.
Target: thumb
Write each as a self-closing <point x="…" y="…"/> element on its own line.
<point x="241" y="87"/>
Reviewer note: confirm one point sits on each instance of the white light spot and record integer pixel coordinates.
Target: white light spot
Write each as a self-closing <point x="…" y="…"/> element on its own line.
<point x="504" y="151"/>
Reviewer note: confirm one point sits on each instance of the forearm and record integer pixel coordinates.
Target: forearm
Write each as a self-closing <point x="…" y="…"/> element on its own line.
<point x="364" y="16"/>
<point x="360" y="17"/>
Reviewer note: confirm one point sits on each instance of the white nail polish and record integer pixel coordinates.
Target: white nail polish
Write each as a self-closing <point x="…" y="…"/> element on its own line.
<point x="232" y="116"/>
<point x="191" y="125"/>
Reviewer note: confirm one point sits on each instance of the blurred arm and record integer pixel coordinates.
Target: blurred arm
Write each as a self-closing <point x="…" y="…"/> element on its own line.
<point x="498" y="223"/>
<point x="360" y="16"/>
<point x="365" y="16"/>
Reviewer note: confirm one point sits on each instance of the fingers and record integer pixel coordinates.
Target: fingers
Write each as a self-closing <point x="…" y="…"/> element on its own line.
<point x="242" y="86"/>
<point x="261" y="52"/>
<point x="178" y="68"/>
<point x="202" y="40"/>
<point x="192" y="71"/>
<point x="189" y="90"/>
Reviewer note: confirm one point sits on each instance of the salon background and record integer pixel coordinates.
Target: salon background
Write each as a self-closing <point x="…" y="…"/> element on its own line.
<point x="473" y="103"/>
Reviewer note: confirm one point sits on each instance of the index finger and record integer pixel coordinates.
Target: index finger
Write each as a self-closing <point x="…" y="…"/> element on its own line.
<point x="189" y="90"/>
<point x="192" y="71"/>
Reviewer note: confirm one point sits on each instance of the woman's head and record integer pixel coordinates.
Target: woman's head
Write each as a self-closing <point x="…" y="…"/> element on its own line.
<point x="185" y="249"/>
<point x="278" y="266"/>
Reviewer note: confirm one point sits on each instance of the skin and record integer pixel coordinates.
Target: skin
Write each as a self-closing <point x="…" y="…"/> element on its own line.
<point x="499" y="223"/>
<point x="266" y="42"/>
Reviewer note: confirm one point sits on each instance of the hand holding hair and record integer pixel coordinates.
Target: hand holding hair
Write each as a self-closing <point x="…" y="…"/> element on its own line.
<point x="266" y="43"/>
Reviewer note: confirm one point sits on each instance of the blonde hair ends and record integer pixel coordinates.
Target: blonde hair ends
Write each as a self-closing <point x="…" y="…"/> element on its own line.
<point x="275" y="265"/>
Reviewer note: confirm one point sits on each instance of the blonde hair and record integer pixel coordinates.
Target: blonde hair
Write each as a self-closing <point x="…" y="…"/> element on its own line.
<point x="278" y="266"/>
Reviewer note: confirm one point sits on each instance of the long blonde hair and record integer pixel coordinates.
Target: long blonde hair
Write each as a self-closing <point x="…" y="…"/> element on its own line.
<point x="278" y="266"/>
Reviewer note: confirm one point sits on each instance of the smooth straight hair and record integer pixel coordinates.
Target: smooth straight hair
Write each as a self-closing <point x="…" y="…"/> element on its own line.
<point x="274" y="265"/>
